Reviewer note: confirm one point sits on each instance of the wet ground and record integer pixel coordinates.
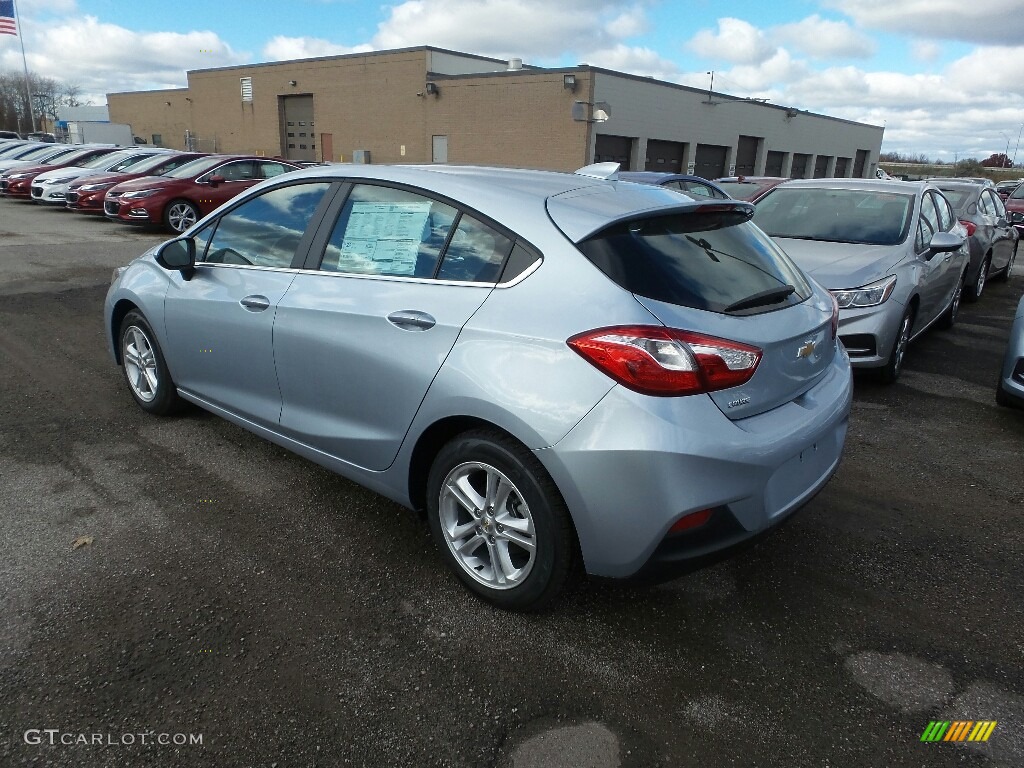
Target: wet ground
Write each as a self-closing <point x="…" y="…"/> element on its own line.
<point x="228" y="591"/>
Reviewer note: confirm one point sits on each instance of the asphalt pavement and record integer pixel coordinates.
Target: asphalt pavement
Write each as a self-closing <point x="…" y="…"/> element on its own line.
<point x="179" y="592"/>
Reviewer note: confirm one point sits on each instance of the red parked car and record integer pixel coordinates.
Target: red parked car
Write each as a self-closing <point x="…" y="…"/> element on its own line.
<point x="86" y="195"/>
<point x="17" y="182"/>
<point x="1015" y="208"/>
<point x="180" y="198"/>
<point x="749" y="188"/>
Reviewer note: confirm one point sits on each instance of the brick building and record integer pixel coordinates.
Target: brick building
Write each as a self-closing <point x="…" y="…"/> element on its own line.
<point x="425" y="104"/>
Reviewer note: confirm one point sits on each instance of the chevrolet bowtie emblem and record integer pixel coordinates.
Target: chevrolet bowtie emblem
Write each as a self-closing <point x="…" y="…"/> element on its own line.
<point x="806" y="349"/>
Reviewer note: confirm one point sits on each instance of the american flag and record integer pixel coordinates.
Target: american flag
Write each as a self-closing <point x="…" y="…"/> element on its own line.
<point x="7" y="23"/>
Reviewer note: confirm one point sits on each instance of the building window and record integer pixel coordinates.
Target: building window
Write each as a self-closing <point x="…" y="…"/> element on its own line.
<point x="291" y="146"/>
<point x="246" y="87"/>
<point x="158" y="140"/>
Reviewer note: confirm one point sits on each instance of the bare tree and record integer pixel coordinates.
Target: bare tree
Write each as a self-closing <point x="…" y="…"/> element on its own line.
<point x="48" y="96"/>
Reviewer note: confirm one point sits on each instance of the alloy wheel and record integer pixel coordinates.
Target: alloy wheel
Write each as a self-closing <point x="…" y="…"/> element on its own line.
<point x="140" y="364"/>
<point x="902" y="339"/>
<point x="181" y="216"/>
<point x="487" y="525"/>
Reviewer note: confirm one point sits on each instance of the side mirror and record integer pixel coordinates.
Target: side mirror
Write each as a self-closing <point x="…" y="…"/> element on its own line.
<point x="216" y="179"/>
<point x="944" y="242"/>
<point x="180" y="255"/>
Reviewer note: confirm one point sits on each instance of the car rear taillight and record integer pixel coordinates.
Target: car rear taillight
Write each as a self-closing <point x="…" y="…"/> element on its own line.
<point x="835" y="317"/>
<point x="969" y="226"/>
<point x="666" y="362"/>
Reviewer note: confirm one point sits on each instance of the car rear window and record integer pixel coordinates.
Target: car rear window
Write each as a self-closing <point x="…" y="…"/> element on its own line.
<point x="704" y="260"/>
<point x="836" y="215"/>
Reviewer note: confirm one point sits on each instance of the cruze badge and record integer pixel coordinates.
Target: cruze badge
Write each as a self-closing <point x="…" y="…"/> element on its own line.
<point x="806" y="349"/>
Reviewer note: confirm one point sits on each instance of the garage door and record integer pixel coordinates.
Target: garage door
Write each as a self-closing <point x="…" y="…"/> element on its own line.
<point x="821" y="166"/>
<point x="773" y="163"/>
<point x="859" y="163"/>
<point x="746" y="155"/>
<point x="800" y="163"/>
<point x="665" y="156"/>
<point x="613" y="149"/>
<point x="299" y="140"/>
<point x="709" y="161"/>
<point x="842" y="164"/>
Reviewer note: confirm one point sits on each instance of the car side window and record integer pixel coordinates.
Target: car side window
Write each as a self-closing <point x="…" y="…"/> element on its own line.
<point x="265" y="231"/>
<point x="388" y="232"/>
<point x="945" y="213"/>
<point x="269" y="170"/>
<point x="984" y="205"/>
<point x="693" y="188"/>
<point x="238" y="171"/>
<point x="993" y="203"/>
<point x="476" y="253"/>
<point x="927" y="223"/>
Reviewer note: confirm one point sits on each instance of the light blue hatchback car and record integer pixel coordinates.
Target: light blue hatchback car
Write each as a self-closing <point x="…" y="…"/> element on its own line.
<point x="566" y="372"/>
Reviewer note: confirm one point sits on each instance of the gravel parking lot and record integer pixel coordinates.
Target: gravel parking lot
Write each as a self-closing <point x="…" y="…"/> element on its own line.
<point x="233" y="592"/>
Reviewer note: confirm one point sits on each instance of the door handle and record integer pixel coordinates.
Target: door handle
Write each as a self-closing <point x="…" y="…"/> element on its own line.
<point x="411" y="320"/>
<point x="255" y="303"/>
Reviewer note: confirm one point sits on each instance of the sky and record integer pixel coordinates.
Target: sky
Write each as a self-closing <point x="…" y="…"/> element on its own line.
<point x="944" y="77"/>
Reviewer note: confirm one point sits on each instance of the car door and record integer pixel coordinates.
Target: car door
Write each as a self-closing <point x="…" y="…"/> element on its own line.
<point x="359" y="340"/>
<point x="238" y="175"/>
<point x="933" y="266"/>
<point x="1002" y="231"/>
<point x="220" y="322"/>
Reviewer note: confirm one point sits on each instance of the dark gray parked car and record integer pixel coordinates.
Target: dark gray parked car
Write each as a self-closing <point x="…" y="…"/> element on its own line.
<point x="559" y="369"/>
<point x="991" y="237"/>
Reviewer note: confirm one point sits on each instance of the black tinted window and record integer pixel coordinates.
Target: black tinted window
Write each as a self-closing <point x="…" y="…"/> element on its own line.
<point x="266" y="230"/>
<point x="701" y="260"/>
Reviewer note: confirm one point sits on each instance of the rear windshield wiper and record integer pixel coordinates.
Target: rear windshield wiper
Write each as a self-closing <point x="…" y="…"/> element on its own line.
<point x="771" y="296"/>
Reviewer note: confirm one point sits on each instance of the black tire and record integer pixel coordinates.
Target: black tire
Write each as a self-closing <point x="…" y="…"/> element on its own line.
<point x="532" y="500"/>
<point x="948" y="319"/>
<point x="973" y="291"/>
<point x="179" y="215"/>
<point x="155" y="393"/>
<point x="1004" y="275"/>
<point x="888" y="373"/>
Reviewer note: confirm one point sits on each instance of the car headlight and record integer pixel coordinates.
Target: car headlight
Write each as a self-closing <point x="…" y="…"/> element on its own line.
<point x="94" y="187"/>
<point x="17" y="176"/>
<point x="138" y="195"/>
<point x="870" y="295"/>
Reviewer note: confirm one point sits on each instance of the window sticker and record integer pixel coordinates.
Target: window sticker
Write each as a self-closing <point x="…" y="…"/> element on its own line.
<point x="385" y="237"/>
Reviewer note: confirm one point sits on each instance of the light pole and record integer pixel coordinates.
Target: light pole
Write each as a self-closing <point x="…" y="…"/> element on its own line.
<point x="1017" y="145"/>
<point x="1006" y="154"/>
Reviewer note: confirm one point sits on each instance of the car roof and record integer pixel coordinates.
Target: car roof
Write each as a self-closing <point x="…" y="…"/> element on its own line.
<point x="654" y="177"/>
<point x="579" y="205"/>
<point x="872" y="185"/>
<point x="752" y="179"/>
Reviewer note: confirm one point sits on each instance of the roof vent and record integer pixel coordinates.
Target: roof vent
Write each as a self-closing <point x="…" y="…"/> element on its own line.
<point x="515" y="65"/>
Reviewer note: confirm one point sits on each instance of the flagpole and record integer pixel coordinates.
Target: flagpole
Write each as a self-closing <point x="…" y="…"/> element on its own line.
<point x="28" y="88"/>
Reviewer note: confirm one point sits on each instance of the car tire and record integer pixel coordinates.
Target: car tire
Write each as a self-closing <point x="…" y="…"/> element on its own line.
<point x="179" y="215"/>
<point x="500" y="522"/>
<point x="948" y="318"/>
<point x="145" y="370"/>
<point x="973" y="292"/>
<point x="1004" y="275"/>
<point x="891" y="370"/>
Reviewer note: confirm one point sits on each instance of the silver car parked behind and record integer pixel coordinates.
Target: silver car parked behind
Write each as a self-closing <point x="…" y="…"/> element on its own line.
<point x="891" y="252"/>
<point x="560" y="369"/>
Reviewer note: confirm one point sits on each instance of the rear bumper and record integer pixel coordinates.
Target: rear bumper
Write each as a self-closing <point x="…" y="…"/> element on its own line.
<point x="634" y="465"/>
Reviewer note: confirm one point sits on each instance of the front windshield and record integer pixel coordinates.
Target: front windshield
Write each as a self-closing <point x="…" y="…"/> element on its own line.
<point x="1018" y="193"/>
<point x="14" y="149"/>
<point x="195" y="168"/>
<point x="68" y="156"/>
<point x="958" y="198"/>
<point x="39" y="153"/>
<point x="836" y="215"/>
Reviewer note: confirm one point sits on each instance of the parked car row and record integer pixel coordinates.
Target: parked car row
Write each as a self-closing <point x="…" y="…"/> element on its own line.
<point x="138" y="185"/>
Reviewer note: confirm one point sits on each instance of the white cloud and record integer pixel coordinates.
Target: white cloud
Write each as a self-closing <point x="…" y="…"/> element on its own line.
<point x="824" y="39"/>
<point x="926" y="51"/>
<point x="736" y="41"/>
<point x="504" y="28"/>
<point x="635" y="60"/>
<point x="108" y="57"/>
<point x="981" y="21"/>
<point x="282" y="48"/>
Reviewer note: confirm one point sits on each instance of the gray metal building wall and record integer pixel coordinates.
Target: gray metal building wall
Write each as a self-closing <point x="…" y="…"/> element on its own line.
<point x="644" y="109"/>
